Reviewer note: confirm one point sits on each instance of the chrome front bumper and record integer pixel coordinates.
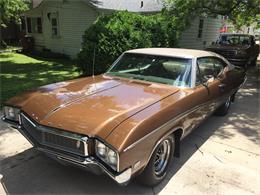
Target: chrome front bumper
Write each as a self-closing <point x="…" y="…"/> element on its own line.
<point x="91" y="163"/>
<point x="88" y="163"/>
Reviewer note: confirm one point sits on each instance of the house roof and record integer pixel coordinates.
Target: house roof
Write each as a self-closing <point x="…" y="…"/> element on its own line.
<point x="121" y="5"/>
<point x="173" y="52"/>
<point x="129" y="5"/>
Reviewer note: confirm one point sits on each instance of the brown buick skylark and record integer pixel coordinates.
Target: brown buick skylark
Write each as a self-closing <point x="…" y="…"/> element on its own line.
<point x="129" y="121"/>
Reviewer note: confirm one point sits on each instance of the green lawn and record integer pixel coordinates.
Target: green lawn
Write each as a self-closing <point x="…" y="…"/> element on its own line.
<point x="20" y="72"/>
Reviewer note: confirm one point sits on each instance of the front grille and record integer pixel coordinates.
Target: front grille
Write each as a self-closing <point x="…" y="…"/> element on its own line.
<point x="30" y="127"/>
<point x="64" y="142"/>
<point x="58" y="139"/>
<point x="227" y="53"/>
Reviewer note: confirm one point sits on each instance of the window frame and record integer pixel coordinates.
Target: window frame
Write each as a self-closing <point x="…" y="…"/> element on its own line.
<point x="198" y="69"/>
<point x="57" y="35"/>
<point x="28" y="24"/>
<point x="23" y="24"/>
<point x="200" y="28"/>
<point x="39" y="25"/>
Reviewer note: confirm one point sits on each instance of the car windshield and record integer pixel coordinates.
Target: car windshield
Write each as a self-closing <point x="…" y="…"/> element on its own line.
<point x="153" y="68"/>
<point x="234" y="40"/>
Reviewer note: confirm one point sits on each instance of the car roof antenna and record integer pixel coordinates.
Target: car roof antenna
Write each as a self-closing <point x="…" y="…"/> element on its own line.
<point x="93" y="63"/>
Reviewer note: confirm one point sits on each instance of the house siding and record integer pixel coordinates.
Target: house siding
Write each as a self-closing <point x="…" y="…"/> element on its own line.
<point x="75" y="16"/>
<point x="189" y="38"/>
<point x="73" y="19"/>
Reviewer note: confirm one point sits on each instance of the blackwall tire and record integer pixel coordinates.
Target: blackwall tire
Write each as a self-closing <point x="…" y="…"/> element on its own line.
<point x="157" y="168"/>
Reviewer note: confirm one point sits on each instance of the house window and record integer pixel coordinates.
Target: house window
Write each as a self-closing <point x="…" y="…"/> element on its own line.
<point x="39" y="25"/>
<point x="54" y="27"/>
<point x="29" y="25"/>
<point x="200" y="30"/>
<point x="23" y="25"/>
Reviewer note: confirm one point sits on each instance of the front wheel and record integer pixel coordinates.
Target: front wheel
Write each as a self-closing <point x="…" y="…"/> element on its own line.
<point x="158" y="165"/>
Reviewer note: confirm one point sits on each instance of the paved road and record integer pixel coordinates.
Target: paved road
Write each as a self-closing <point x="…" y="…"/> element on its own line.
<point x="220" y="157"/>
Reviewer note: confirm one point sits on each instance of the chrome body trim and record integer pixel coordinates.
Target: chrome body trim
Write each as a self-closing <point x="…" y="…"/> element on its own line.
<point x="242" y="84"/>
<point x="173" y="120"/>
<point x="32" y="123"/>
<point x="121" y="178"/>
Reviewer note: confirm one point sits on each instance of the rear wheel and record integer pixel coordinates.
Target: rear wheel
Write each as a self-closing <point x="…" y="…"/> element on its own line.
<point x="223" y="109"/>
<point x="158" y="165"/>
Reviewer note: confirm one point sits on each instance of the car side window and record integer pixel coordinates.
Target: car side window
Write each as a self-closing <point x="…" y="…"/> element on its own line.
<point x="205" y="69"/>
<point x="208" y="67"/>
<point x="219" y="66"/>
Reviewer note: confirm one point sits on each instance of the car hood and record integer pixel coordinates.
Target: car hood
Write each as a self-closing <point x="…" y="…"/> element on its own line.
<point x="227" y="47"/>
<point x="90" y="106"/>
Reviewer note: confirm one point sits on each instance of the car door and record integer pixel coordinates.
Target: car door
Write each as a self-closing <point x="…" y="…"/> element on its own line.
<point x="224" y="85"/>
<point x="208" y="77"/>
<point x="205" y="94"/>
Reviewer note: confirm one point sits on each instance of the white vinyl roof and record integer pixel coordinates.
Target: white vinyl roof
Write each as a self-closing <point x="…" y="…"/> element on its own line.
<point x="174" y="52"/>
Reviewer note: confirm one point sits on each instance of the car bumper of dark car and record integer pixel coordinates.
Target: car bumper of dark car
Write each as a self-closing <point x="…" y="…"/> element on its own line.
<point x="88" y="163"/>
<point x="238" y="62"/>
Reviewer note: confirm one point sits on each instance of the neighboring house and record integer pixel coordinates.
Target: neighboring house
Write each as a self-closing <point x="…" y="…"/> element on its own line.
<point x="201" y="33"/>
<point x="58" y="25"/>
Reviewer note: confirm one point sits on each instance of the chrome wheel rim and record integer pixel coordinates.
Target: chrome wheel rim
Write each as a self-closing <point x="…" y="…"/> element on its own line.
<point x="228" y="102"/>
<point x="161" y="157"/>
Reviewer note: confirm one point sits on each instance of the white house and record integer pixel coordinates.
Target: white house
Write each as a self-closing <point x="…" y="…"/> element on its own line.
<point x="58" y="25"/>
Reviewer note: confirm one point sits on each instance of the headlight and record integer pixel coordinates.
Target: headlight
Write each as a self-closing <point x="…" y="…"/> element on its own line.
<point x="11" y="113"/>
<point x="106" y="154"/>
<point x="101" y="149"/>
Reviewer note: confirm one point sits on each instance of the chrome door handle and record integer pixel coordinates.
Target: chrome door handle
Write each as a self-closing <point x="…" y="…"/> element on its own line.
<point x="222" y="87"/>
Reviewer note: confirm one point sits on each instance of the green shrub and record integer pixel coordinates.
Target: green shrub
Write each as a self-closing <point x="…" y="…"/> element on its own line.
<point x="113" y="34"/>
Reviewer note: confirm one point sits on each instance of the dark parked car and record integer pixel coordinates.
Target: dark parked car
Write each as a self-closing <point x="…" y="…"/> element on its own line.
<point x="238" y="49"/>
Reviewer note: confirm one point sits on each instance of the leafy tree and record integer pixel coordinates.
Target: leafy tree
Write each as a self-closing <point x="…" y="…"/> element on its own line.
<point x="113" y="34"/>
<point x="239" y="12"/>
<point x="10" y="10"/>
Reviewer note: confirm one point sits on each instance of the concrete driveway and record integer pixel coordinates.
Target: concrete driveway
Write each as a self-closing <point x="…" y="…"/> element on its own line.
<point x="222" y="156"/>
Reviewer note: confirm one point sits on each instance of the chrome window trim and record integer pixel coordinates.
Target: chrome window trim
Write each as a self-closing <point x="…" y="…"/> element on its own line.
<point x="193" y="72"/>
<point x="119" y="58"/>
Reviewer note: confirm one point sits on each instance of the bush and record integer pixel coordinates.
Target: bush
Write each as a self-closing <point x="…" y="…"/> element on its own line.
<point x="113" y="34"/>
